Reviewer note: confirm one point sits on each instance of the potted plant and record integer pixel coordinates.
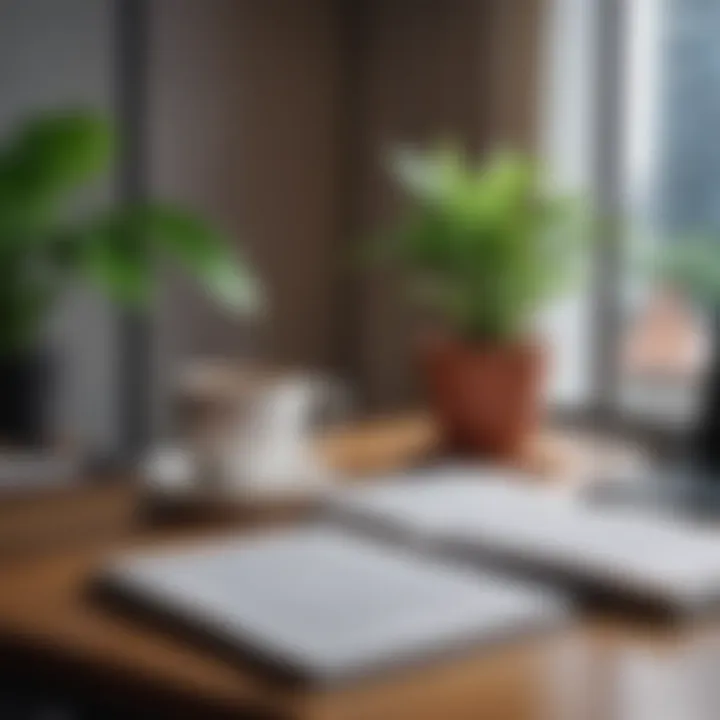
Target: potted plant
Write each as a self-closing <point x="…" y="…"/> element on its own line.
<point x="483" y="248"/>
<point x="46" y="245"/>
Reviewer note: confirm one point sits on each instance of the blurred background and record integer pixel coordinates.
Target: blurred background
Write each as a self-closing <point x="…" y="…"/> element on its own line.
<point x="272" y="119"/>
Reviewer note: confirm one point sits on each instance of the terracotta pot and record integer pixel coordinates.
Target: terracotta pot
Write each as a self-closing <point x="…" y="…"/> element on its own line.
<point x="486" y="398"/>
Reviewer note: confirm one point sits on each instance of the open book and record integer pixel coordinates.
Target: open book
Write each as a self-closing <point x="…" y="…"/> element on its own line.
<point x="488" y="520"/>
<point x="328" y="606"/>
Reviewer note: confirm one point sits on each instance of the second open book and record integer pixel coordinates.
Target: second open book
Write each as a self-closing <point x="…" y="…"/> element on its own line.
<point x="489" y="518"/>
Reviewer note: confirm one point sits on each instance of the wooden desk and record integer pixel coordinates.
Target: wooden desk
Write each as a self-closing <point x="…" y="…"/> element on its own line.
<point x="50" y="625"/>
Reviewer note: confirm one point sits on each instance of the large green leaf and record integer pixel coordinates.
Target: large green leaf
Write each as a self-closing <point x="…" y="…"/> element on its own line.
<point x="115" y="257"/>
<point x="59" y="152"/>
<point x="122" y="249"/>
<point x="206" y="254"/>
<point x="44" y="247"/>
<point x="48" y="159"/>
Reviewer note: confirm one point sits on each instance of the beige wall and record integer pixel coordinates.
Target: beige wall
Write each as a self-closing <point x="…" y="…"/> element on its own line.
<point x="274" y="116"/>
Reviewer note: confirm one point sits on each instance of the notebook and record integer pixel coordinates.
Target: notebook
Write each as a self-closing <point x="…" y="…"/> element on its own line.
<point x="328" y="606"/>
<point x="477" y="516"/>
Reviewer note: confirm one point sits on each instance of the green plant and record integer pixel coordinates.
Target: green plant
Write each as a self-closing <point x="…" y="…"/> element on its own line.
<point x="482" y="245"/>
<point x="46" y="244"/>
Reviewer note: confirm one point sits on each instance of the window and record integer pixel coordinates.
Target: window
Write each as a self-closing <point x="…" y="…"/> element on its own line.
<point x="566" y="131"/>
<point x="631" y="107"/>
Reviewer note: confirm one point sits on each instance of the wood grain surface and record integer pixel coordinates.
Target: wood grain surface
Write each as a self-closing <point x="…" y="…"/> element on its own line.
<point x="53" y="625"/>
